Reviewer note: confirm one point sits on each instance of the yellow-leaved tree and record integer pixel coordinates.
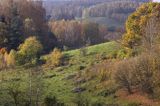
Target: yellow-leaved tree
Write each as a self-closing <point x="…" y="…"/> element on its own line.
<point x="29" y="51"/>
<point x="137" y="22"/>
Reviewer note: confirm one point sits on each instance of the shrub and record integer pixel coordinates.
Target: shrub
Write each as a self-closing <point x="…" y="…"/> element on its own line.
<point x="104" y="74"/>
<point x="110" y="88"/>
<point x="81" y="100"/>
<point x="11" y="62"/>
<point x="142" y="72"/>
<point x="56" y="58"/>
<point x="124" y="74"/>
<point x="29" y="51"/>
<point x="145" y="72"/>
<point x="52" y="101"/>
<point x="20" y="59"/>
<point x="124" y="53"/>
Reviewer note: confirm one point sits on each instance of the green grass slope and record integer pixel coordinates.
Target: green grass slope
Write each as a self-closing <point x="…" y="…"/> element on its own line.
<point x="62" y="85"/>
<point x="60" y="81"/>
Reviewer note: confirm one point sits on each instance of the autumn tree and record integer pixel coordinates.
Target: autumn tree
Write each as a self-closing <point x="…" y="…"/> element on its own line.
<point x="137" y="22"/>
<point x="29" y="51"/>
<point x="35" y="16"/>
<point x="19" y="22"/>
<point x="74" y="34"/>
<point x="11" y="62"/>
<point x="68" y="33"/>
<point x="151" y="34"/>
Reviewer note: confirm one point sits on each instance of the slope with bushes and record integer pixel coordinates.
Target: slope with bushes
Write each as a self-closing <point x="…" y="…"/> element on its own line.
<point x="62" y="81"/>
<point x="99" y="75"/>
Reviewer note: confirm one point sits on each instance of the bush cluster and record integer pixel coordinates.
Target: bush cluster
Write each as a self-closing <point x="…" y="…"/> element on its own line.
<point x="141" y="72"/>
<point x="55" y="58"/>
<point x="28" y="54"/>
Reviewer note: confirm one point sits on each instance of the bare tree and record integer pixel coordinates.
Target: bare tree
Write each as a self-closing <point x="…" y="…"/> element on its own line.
<point x="124" y="74"/>
<point x="151" y="33"/>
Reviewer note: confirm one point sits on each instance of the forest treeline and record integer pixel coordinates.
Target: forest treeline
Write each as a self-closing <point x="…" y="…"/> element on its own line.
<point x="69" y="10"/>
<point x="75" y="34"/>
<point x="117" y="10"/>
<point x="28" y="18"/>
<point x="22" y="19"/>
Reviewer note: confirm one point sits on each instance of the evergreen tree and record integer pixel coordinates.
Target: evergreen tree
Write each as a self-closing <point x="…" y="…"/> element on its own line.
<point x="15" y="29"/>
<point x="3" y="34"/>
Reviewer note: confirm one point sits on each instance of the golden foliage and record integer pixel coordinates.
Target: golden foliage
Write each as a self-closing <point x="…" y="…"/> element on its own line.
<point x="7" y="60"/>
<point x="11" y="62"/>
<point x="56" y="58"/>
<point x="136" y="23"/>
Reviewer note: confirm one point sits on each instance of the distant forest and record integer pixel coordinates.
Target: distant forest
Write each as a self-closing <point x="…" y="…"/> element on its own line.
<point x="105" y="17"/>
<point x="75" y="8"/>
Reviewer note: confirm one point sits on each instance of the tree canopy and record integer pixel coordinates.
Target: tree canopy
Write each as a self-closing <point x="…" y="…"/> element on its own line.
<point x="136" y="23"/>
